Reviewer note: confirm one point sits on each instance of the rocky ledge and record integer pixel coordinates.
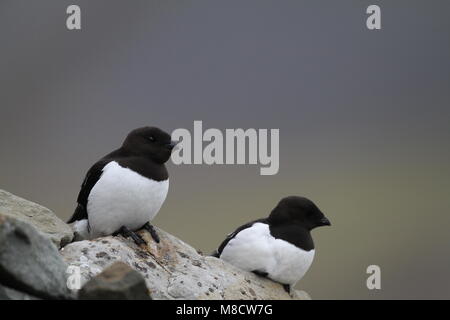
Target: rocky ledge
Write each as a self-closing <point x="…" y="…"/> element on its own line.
<point x="37" y="263"/>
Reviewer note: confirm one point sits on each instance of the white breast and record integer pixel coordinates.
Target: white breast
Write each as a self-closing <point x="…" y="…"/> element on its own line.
<point x="255" y="248"/>
<point x="122" y="197"/>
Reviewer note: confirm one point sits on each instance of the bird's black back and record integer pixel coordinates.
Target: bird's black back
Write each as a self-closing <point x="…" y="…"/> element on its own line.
<point x="90" y="180"/>
<point x="233" y="234"/>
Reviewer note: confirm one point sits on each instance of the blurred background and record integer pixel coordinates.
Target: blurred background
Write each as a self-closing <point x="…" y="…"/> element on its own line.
<point x="363" y="118"/>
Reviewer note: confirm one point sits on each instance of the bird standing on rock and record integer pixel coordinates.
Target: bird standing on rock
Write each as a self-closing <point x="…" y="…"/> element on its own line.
<point x="124" y="190"/>
<point x="279" y="247"/>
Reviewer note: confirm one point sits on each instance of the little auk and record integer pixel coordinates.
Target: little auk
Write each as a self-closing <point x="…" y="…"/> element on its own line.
<point x="279" y="247"/>
<point x="125" y="189"/>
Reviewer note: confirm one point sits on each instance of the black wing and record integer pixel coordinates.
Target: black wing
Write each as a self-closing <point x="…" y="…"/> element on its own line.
<point x="90" y="180"/>
<point x="233" y="234"/>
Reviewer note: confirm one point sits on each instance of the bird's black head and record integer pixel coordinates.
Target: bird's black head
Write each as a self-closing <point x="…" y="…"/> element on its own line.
<point x="150" y="142"/>
<point x="300" y="211"/>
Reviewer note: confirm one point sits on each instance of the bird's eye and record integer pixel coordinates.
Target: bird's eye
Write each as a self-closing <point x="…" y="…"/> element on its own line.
<point x="151" y="138"/>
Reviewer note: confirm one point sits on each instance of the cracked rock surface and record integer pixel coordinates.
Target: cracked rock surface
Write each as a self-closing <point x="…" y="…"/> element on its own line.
<point x="172" y="269"/>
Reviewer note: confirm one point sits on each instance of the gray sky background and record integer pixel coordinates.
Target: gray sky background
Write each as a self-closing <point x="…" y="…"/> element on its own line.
<point x="363" y="118"/>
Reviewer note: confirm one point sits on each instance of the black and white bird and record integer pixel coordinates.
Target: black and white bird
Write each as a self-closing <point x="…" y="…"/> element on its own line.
<point x="279" y="247"/>
<point x="124" y="190"/>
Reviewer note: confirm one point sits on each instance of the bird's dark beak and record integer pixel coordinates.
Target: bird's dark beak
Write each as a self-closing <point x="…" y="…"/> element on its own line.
<point x="171" y="145"/>
<point x="325" y="222"/>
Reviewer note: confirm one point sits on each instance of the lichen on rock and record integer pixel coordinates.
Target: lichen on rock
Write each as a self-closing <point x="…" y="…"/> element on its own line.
<point x="173" y="270"/>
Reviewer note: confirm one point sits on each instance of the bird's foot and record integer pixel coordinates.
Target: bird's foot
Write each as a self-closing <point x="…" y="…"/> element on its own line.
<point x="152" y="231"/>
<point x="287" y="288"/>
<point x="127" y="233"/>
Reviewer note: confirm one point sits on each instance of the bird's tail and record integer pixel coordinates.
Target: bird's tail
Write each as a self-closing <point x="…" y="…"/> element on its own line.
<point x="79" y="214"/>
<point x="215" y="253"/>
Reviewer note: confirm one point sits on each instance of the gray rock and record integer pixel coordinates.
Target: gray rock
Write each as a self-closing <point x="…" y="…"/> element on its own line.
<point x="11" y="294"/>
<point x="172" y="269"/>
<point x="117" y="282"/>
<point x="30" y="262"/>
<point x="40" y="217"/>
